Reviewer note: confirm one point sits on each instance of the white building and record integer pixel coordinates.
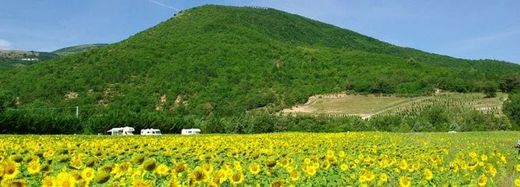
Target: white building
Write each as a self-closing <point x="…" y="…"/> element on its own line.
<point x="190" y="131"/>
<point x="155" y="132"/>
<point x="121" y="131"/>
<point x="29" y="59"/>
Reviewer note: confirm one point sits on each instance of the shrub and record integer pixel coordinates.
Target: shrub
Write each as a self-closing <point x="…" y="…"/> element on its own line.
<point x="512" y="109"/>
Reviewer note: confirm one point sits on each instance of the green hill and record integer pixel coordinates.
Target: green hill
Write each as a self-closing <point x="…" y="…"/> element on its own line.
<point x="77" y="49"/>
<point x="11" y="59"/>
<point x="219" y="61"/>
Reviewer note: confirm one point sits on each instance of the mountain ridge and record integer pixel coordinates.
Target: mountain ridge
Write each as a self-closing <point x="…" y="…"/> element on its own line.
<point x="19" y="58"/>
<point x="78" y="48"/>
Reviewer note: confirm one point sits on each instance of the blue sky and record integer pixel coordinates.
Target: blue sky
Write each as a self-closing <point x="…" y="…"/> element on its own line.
<point x="471" y="29"/>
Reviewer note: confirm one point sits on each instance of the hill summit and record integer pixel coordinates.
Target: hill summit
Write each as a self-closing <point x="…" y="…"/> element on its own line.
<point x="223" y="61"/>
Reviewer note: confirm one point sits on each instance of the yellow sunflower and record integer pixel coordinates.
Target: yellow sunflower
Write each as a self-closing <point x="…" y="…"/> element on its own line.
<point x="198" y="176"/>
<point x="369" y="176"/>
<point x="208" y="168"/>
<point x="212" y="184"/>
<point x="517" y="182"/>
<point x="16" y="183"/>
<point x="220" y="176"/>
<point x="162" y="170"/>
<point x="325" y="165"/>
<point x="295" y="175"/>
<point x="343" y="167"/>
<point x="403" y="165"/>
<point x="482" y="180"/>
<point x="405" y="181"/>
<point x="11" y="169"/>
<point x="174" y="183"/>
<point x="65" y="179"/>
<point x="342" y="154"/>
<point x="238" y="165"/>
<point x="311" y="171"/>
<point x="149" y="165"/>
<point x="76" y="162"/>
<point x="48" y="181"/>
<point x="48" y="154"/>
<point x="307" y="161"/>
<point x="180" y="167"/>
<point x="428" y="175"/>
<point x="1" y="170"/>
<point x="141" y="183"/>
<point x="237" y="178"/>
<point x="277" y="183"/>
<point x="383" y="178"/>
<point x="88" y="174"/>
<point x="484" y="157"/>
<point x="254" y="168"/>
<point x="34" y="167"/>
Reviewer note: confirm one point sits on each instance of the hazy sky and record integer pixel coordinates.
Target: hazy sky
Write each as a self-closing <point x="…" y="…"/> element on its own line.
<point x="463" y="28"/>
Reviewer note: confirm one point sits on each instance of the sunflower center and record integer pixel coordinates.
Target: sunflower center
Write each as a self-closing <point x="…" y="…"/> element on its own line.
<point x="199" y="176"/>
<point x="236" y="177"/>
<point x="10" y="171"/>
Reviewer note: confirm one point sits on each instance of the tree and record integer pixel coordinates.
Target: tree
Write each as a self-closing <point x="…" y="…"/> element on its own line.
<point x="6" y="100"/>
<point x="349" y="86"/>
<point x="381" y="86"/>
<point x="510" y="83"/>
<point x="412" y="62"/>
<point x="512" y="109"/>
<point x="2" y="108"/>
<point x="490" y="90"/>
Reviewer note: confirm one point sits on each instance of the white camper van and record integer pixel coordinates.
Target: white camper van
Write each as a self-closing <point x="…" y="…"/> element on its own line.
<point x="121" y="131"/>
<point x="151" y="132"/>
<point x="190" y="131"/>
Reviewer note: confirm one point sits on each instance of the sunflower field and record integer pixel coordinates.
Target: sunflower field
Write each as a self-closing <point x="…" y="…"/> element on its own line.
<point x="282" y="159"/>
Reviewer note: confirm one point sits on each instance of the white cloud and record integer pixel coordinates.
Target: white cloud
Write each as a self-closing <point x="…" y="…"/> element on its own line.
<point x="5" y="45"/>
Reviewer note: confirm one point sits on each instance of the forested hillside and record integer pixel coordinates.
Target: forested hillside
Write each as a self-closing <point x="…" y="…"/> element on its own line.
<point x="212" y="63"/>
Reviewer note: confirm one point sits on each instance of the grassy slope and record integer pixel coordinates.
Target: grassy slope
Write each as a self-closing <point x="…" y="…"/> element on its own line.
<point x="226" y="60"/>
<point x="370" y="105"/>
<point x="348" y="104"/>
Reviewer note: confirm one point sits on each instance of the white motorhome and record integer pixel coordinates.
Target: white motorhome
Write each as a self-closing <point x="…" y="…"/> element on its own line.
<point x="153" y="132"/>
<point x="190" y="131"/>
<point x="121" y="131"/>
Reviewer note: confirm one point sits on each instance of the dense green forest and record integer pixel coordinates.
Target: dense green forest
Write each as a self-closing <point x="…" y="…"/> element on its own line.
<point x="219" y="68"/>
